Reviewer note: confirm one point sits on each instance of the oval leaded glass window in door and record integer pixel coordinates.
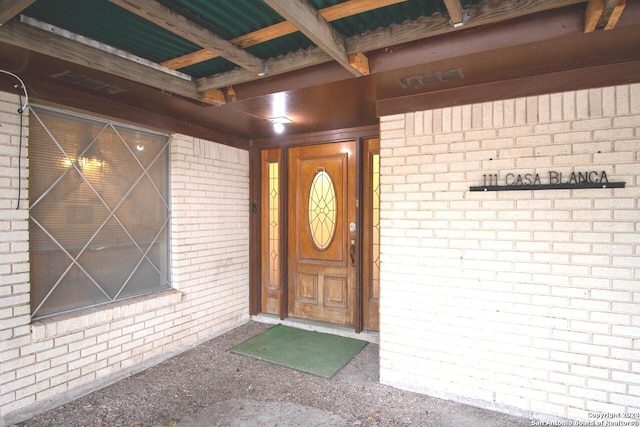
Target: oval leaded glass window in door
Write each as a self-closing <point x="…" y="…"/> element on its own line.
<point x="322" y="210"/>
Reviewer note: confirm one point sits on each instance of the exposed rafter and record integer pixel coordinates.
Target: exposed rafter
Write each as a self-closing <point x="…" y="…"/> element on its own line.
<point x="38" y="40"/>
<point x="284" y="64"/>
<point x="603" y="14"/>
<point x="454" y="7"/>
<point x="481" y="14"/>
<point x="360" y="62"/>
<point x="616" y="14"/>
<point x="304" y="17"/>
<point x="331" y="13"/>
<point x="178" y="24"/>
<point x="11" y="8"/>
<point x="211" y="89"/>
<point x="214" y="97"/>
<point x="111" y="71"/>
<point x="485" y="13"/>
<point x="58" y="31"/>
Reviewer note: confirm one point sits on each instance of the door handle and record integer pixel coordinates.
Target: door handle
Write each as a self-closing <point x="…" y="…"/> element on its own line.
<point x="352" y="252"/>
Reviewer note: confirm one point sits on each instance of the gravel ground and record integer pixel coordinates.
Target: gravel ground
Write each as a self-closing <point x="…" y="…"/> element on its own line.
<point x="208" y="386"/>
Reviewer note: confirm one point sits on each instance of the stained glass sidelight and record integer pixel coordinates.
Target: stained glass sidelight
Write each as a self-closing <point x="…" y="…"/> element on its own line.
<point x="376" y="227"/>
<point x="274" y="256"/>
<point x="322" y="210"/>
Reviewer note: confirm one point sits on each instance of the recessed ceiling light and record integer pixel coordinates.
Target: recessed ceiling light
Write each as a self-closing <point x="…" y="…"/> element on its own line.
<point x="279" y="122"/>
<point x="278" y="128"/>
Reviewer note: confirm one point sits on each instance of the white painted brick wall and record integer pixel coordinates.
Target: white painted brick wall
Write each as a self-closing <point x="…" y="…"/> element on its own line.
<point x="526" y="301"/>
<point x="17" y="371"/>
<point x="45" y="363"/>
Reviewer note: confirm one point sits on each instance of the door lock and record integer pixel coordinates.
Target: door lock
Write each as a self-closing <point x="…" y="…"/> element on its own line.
<point x="353" y="227"/>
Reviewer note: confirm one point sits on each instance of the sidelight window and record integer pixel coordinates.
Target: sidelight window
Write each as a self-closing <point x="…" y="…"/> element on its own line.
<point x="375" y="226"/>
<point x="274" y="225"/>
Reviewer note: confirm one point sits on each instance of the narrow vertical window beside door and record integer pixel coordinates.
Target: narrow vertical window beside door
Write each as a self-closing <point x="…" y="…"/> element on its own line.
<point x="375" y="228"/>
<point x="274" y="226"/>
<point x="270" y="243"/>
<point x="371" y="236"/>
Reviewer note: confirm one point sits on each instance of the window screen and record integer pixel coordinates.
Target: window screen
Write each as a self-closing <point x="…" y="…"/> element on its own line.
<point x="99" y="212"/>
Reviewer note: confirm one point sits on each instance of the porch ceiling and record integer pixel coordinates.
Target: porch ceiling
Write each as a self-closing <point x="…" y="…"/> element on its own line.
<point x="219" y="69"/>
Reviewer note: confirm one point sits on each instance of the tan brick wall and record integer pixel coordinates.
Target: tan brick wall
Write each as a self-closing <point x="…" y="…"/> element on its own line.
<point x="522" y="301"/>
<point x="45" y="363"/>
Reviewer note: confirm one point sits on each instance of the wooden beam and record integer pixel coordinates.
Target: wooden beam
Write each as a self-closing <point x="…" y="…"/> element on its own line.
<point x="283" y="64"/>
<point x="10" y="8"/>
<point x="331" y="13"/>
<point x="231" y="94"/>
<point x="484" y="13"/>
<point x="307" y="19"/>
<point x="183" y="27"/>
<point x="615" y="14"/>
<point x="360" y="62"/>
<point x="592" y="15"/>
<point x="251" y="39"/>
<point x="214" y="97"/>
<point x="603" y="14"/>
<point x="99" y="45"/>
<point x="454" y="7"/>
<point x="38" y="40"/>
<point x="480" y="14"/>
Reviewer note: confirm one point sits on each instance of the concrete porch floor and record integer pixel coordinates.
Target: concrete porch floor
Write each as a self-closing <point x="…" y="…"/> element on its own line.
<point x="208" y="386"/>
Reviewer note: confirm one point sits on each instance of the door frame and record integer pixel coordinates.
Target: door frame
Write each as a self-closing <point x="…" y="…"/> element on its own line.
<point x="359" y="135"/>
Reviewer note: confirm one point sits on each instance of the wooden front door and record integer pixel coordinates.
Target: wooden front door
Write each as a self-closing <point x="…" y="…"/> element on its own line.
<point x="322" y="242"/>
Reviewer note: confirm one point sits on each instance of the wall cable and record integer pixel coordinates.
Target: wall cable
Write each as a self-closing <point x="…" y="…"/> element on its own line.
<point x="21" y="110"/>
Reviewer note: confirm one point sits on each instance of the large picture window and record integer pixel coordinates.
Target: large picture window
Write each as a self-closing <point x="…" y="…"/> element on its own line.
<point x="99" y="212"/>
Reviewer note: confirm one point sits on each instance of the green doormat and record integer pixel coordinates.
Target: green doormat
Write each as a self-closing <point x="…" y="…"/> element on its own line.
<point x="312" y="352"/>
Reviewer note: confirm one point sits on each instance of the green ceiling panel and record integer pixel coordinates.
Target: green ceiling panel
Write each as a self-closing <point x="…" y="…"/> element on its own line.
<point x="226" y="18"/>
<point x="210" y="67"/>
<point x="105" y="22"/>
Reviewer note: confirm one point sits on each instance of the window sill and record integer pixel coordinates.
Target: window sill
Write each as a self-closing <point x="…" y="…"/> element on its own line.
<point x="81" y="320"/>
